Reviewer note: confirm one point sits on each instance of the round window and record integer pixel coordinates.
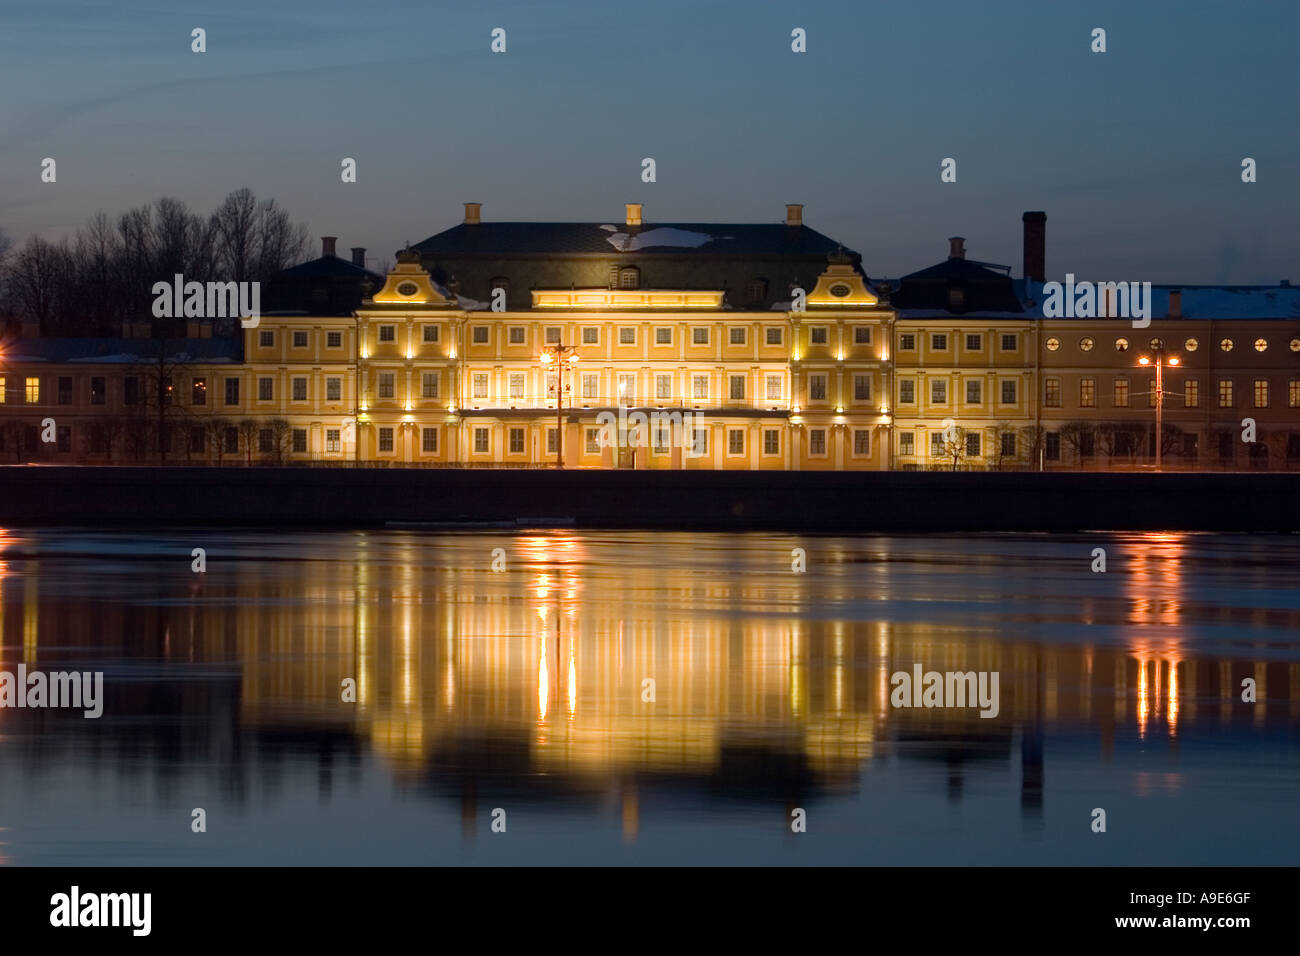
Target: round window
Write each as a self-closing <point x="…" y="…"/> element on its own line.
<point x="1295" y="345"/>
<point x="840" y="290"/>
<point x="1226" y="345"/>
<point x="1156" y="343"/>
<point x="1191" y="345"/>
<point x="1121" y="344"/>
<point x="408" y="288"/>
<point x="1053" y="343"/>
<point x="1086" y="343"/>
<point x="1261" y="345"/>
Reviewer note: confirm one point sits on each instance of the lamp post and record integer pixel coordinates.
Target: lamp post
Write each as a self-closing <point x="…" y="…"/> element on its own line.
<point x="1159" y="360"/>
<point x="561" y="358"/>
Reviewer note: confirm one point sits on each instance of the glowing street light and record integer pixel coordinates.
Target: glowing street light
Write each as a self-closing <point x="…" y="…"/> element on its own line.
<point x="561" y="358"/>
<point x="1157" y="349"/>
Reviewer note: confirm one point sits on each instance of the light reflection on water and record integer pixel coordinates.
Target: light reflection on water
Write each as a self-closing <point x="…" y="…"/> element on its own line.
<point x="527" y="689"/>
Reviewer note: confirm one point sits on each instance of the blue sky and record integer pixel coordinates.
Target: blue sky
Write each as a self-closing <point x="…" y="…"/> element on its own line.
<point x="1134" y="154"/>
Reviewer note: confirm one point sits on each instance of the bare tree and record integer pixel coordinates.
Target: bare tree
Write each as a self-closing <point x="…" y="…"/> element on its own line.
<point x="1080" y="437"/>
<point x="215" y="428"/>
<point x="248" y="429"/>
<point x="281" y="433"/>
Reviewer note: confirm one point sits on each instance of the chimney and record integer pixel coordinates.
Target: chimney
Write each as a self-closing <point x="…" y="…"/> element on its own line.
<point x="634" y="214"/>
<point x="1175" y="303"/>
<point x="327" y="245"/>
<point x="1035" y="246"/>
<point x="794" y="214"/>
<point x="359" y="256"/>
<point x="957" y="248"/>
<point x="472" y="213"/>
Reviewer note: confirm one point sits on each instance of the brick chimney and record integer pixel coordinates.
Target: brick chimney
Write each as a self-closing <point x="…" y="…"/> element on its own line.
<point x="794" y="214"/>
<point x="1175" y="303"/>
<point x="359" y="256"/>
<point x="1035" y="246"/>
<point x="957" y="248"/>
<point x="327" y="245"/>
<point x="473" y="213"/>
<point x="633" y="214"/>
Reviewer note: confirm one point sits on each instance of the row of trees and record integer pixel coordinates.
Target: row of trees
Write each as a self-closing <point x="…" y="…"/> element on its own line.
<point x="137" y="438"/>
<point x="89" y="284"/>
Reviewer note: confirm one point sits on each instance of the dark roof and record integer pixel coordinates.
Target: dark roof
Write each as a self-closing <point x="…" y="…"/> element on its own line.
<point x="499" y="239"/>
<point x="327" y="267"/>
<point x="984" y="289"/>
<point x="329" y="285"/>
<point x="124" y="351"/>
<point x="1212" y="301"/>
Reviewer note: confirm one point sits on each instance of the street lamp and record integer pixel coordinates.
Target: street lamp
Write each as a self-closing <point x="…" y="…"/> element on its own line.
<point x="1157" y="349"/>
<point x="561" y="358"/>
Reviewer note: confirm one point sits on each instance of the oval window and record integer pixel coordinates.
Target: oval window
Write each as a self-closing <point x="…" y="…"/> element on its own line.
<point x="408" y="288"/>
<point x="840" y="290"/>
<point x="1261" y="345"/>
<point x="1053" y="343"/>
<point x="1121" y="344"/>
<point x="1226" y="345"/>
<point x="1086" y="343"/>
<point x="1191" y="345"/>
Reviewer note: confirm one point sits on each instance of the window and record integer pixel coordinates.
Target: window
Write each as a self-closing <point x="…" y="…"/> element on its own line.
<point x="590" y="385"/>
<point x="1191" y="393"/>
<point x="735" y="441"/>
<point x="974" y="343"/>
<point x="1226" y="345"/>
<point x="1052" y="448"/>
<point x="333" y="389"/>
<point x="552" y="440"/>
<point x="332" y="442"/>
<point x="817" y="441"/>
<point x="663" y="335"/>
<point x="299" y="389"/>
<point x="516" y="385"/>
<point x="516" y="441"/>
<point x="938" y="391"/>
<point x="1121" y="344"/>
<point x="1225" y="393"/>
<point x="1009" y="342"/>
<point x="700" y="441"/>
<point x="771" y="441"/>
<point x="63" y="438"/>
<point x="1008" y="391"/>
<point x="482" y="440"/>
<point x="629" y="278"/>
<point x="230" y="441"/>
<point x="4" y="388"/>
<point x="515" y="335"/>
<point x="388" y="333"/>
<point x="737" y="393"/>
<point x="1293" y="393"/>
<point x="973" y="391"/>
<point x="479" y="335"/>
<point x="936" y="445"/>
<point x="906" y="391"/>
<point x="552" y="335"/>
<point x="593" y="441"/>
<point x="65" y="389"/>
<point x="1121" y="393"/>
<point x="663" y="385"/>
<point x="659" y="441"/>
<point x="386" y="381"/>
<point x="818" y="335"/>
<point x="33" y="390"/>
<point x="300" y="440"/>
<point x="907" y="443"/>
<point x="939" y="342"/>
<point x="861" y="441"/>
<point x="198" y="391"/>
<point x="737" y="335"/>
<point x="1052" y="392"/>
<point x="266" y="339"/>
<point x="334" y="340"/>
<point x="1087" y="392"/>
<point x="773" y="389"/>
<point x="430" y="333"/>
<point x="907" y="342"/>
<point x="1086" y="343"/>
<point x="756" y="291"/>
<point x="266" y="440"/>
<point x="627" y="387"/>
<point x="817" y="388"/>
<point x="265" y="389"/>
<point x="862" y="335"/>
<point x="232" y="391"/>
<point x="774" y="335"/>
<point x="385" y="439"/>
<point x="1008" y="444"/>
<point x="1261" y="345"/>
<point x="862" y="388"/>
<point x="1053" y="343"/>
<point x="1191" y="345"/>
<point x="429" y="440"/>
<point x="591" y="335"/>
<point x="300" y="340"/>
<point x="699" y="335"/>
<point x="1261" y="393"/>
<point x="429" y="384"/>
<point x="972" y="444"/>
<point x="700" y="386"/>
<point x="627" y="335"/>
<point x="98" y="391"/>
<point x="480" y="385"/>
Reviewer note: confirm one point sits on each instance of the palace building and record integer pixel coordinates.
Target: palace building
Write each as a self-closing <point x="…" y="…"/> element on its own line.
<point x="635" y="344"/>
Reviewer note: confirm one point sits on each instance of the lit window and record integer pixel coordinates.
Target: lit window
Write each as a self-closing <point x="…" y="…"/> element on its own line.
<point x="1086" y="343"/>
<point x="629" y="278"/>
<point x="480" y="385"/>
<point x="663" y="385"/>
<point x="627" y="387"/>
<point x="861" y="441"/>
<point x="429" y="440"/>
<point x="553" y="335"/>
<point x="1121" y="344"/>
<point x="1261" y="393"/>
<point x="482" y="441"/>
<point x="1053" y="343"/>
<point x="1087" y="392"/>
<point x="773" y="388"/>
<point x="385" y="439"/>
<point x="1191" y="345"/>
<point x="332" y="442"/>
<point x="735" y="441"/>
<point x="1156" y="343"/>
<point x="1121" y="393"/>
<point x="1261" y="345"/>
<point x="516" y="385"/>
<point x="590" y="385"/>
<point x="817" y="441"/>
<point x="1191" y="393"/>
<point x="771" y="441"/>
<point x="1225" y="393"/>
<point x="516" y="334"/>
<point x="907" y="443"/>
<point x="593" y="441"/>
<point x="1293" y="393"/>
<point x="700" y="386"/>
<point x="1226" y="345"/>
<point x="516" y="441"/>
<point x="1295" y="345"/>
<point x="1052" y="393"/>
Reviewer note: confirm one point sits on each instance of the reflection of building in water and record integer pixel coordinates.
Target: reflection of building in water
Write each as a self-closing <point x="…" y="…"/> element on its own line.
<point x="534" y="682"/>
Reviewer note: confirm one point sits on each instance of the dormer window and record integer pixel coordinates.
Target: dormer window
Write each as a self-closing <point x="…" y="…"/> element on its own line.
<point x="500" y="282"/>
<point x="756" y="291"/>
<point x="629" y="278"/>
<point x="956" y="299"/>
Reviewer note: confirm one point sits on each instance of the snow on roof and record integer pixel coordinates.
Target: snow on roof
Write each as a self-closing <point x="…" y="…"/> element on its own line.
<point x="658" y="237"/>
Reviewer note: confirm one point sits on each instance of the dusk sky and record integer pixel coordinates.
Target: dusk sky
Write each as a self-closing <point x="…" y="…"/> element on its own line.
<point x="1135" y="154"/>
